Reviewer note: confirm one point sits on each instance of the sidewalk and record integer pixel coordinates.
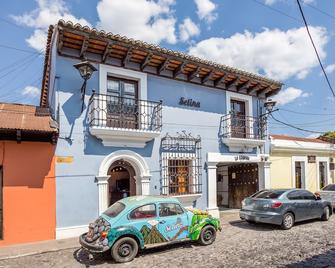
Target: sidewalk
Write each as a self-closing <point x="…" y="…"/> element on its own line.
<point x="8" y="252"/>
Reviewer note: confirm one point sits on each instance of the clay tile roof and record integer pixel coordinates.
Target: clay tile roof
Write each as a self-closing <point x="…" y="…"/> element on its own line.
<point x="25" y="117"/>
<point x="292" y="138"/>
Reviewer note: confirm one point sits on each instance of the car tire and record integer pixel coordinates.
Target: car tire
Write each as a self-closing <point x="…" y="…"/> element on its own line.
<point x="124" y="250"/>
<point x="288" y="221"/>
<point x="207" y="235"/>
<point x="326" y="214"/>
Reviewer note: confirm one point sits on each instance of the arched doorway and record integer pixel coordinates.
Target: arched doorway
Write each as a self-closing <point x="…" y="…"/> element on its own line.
<point x="122" y="182"/>
<point x="139" y="166"/>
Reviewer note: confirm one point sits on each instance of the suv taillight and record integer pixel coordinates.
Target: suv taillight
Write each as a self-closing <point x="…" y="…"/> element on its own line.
<point x="276" y="205"/>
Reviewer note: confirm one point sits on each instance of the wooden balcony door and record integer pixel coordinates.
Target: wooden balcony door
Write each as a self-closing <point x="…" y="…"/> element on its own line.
<point x="122" y="103"/>
<point x="238" y="119"/>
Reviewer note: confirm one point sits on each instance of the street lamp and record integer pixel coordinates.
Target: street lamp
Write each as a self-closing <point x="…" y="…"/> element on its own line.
<point x="86" y="70"/>
<point x="269" y="105"/>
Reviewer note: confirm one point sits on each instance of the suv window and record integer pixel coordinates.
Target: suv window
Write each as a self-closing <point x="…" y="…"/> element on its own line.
<point x="143" y="212"/>
<point x="330" y="187"/>
<point x="295" y="195"/>
<point x="115" y="209"/>
<point x="268" y="194"/>
<point x="169" y="209"/>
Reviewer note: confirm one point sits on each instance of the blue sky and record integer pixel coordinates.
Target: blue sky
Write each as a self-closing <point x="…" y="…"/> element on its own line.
<point x="248" y="34"/>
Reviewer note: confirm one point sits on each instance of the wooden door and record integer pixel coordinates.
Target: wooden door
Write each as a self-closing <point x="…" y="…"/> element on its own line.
<point x="242" y="182"/>
<point x="238" y="119"/>
<point x="122" y="103"/>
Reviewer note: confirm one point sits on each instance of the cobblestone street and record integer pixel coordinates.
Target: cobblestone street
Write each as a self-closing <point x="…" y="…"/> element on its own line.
<point x="310" y="244"/>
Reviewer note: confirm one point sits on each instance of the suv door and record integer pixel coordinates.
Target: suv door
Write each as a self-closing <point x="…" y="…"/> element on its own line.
<point x="301" y="207"/>
<point x="173" y="221"/>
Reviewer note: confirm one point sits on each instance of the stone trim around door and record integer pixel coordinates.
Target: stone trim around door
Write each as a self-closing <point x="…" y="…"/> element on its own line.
<point x="140" y="166"/>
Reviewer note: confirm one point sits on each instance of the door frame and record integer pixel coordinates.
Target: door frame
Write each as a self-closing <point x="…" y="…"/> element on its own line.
<point x="318" y="160"/>
<point x="302" y="159"/>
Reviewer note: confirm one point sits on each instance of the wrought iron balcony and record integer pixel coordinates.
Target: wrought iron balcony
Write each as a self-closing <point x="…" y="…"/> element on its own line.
<point x="242" y="131"/>
<point x="121" y="121"/>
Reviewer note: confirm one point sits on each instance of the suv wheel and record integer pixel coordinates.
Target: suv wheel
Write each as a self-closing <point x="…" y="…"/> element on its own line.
<point x="207" y="235"/>
<point x="124" y="249"/>
<point x="326" y="214"/>
<point x="288" y="221"/>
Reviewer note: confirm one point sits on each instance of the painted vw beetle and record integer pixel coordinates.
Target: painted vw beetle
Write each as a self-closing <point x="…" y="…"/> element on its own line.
<point x="140" y="222"/>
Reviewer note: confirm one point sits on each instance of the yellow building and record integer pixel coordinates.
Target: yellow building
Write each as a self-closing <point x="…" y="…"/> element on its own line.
<point x="301" y="162"/>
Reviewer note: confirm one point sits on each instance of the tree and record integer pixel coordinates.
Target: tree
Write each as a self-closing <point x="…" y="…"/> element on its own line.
<point x="330" y="134"/>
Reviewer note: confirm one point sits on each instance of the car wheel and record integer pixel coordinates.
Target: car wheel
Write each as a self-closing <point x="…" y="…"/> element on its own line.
<point x="326" y="214"/>
<point x="288" y="221"/>
<point x="124" y="249"/>
<point x="207" y="235"/>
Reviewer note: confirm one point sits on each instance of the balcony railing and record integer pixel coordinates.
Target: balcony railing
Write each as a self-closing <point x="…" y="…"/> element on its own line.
<point x="109" y="111"/>
<point x="243" y="127"/>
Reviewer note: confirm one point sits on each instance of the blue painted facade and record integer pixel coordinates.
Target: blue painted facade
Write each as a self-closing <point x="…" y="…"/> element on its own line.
<point x="76" y="186"/>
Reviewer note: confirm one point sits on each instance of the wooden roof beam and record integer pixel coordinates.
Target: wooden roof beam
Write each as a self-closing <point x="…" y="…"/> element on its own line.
<point x="163" y="66"/>
<point x="127" y="58"/>
<point x="146" y="61"/>
<point x="179" y="69"/>
<point x="231" y="82"/>
<point x="60" y="40"/>
<point x="254" y="89"/>
<point x="220" y="80"/>
<point x="275" y="91"/>
<point x="84" y="47"/>
<point x="264" y="90"/>
<point x="242" y="85"/>
<point x="194" y="74"/>
<point x="207" y="77"/>
<point x="107" y="51"/>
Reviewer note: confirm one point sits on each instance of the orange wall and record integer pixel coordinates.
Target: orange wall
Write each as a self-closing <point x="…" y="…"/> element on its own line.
<point x="29" y="202"/>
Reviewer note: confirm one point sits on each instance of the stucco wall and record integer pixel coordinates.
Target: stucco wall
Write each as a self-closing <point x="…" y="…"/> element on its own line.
<point x="77" y="191"/>
<point x="28" y="191"/>
<point x="281" y="170"/>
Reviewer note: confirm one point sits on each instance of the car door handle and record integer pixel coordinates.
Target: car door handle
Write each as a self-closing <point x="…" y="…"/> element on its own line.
<point x="162" y="221"/>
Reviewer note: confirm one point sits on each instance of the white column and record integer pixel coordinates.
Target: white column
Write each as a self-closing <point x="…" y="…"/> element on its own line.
<point x="212" y="206"/>
<point x="145" y="183"/>
<point x="103" y="192"/>
<point x="264" y="175"/>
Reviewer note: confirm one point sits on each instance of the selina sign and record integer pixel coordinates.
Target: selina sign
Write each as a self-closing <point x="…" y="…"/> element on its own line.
<point x="189" y="102"/>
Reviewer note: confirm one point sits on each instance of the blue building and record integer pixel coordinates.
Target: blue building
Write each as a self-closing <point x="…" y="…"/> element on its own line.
<point x="149" y="121"/>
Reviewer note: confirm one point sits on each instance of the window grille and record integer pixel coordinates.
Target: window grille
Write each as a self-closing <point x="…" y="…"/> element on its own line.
<point x="181" y="164"/>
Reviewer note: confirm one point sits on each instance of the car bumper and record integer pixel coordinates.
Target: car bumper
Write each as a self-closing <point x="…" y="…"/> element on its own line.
<point x="94" y="247"/>
<point x="272" y="218"/>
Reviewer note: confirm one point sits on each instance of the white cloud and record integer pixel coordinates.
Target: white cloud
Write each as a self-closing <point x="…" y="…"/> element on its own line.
<point x="31" y="91"/>
<point x="151" y="21"/>
<point x="290" y="94"/>
<point x="330" y="68"/>
<point x="275" y="53"/>
<point x="205" y="10"/>
<point x="47" y="12"/>
<point x="188" y="29"/>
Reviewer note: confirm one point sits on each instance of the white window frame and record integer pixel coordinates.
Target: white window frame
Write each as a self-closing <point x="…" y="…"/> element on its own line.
<point x="248" y="104"/>
<point x="302" y="159"/>
<point x="318" y="160"/>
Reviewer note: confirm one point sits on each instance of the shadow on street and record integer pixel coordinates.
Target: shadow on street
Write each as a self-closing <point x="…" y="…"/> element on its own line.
<point x="326" y="259"/>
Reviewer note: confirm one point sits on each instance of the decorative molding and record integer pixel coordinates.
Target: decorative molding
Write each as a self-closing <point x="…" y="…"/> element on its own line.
<point x="242" y="145"/>
<point x="121" y="137"/>
<point x="278" y="145"/>
<point x="304" y="175"/>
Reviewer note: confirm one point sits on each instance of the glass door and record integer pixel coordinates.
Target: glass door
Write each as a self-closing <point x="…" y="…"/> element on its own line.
<point x="238" y="119"/>
<point x="122" y="103"/>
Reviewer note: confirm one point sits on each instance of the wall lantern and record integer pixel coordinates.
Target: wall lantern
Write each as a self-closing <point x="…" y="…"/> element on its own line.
<point x="269" y="105"/>
<point x="86" y="70"/>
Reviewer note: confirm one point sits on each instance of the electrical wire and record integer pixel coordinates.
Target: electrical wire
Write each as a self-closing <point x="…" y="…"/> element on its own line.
<point x="316" y="51"/>
<point x="319" y="10"/>
<point x="292" y="126"/>
<point x="278" y="11"/>
<point x="303" y="113"/>
<point x="20" y="49"/>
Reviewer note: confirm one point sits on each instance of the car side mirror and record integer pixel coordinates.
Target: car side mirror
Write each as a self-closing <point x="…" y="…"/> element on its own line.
<point x="317" y="197"/>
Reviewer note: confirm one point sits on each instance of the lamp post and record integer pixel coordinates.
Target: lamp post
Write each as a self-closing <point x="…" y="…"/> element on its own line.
<point x="269" y="105"/>
<point x="86" y="70"/>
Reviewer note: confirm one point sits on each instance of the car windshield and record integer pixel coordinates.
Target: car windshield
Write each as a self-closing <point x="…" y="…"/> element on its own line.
<point x="115" y="209"/>
<point x="330" y="187"/>
<point x="268" y="194"/>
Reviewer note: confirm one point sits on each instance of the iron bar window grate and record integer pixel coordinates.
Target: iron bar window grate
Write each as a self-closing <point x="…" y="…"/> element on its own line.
<point x="181" y="164"/>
